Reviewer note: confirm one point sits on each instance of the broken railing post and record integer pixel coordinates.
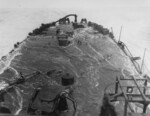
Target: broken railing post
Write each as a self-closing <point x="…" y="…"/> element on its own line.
<point x="125" y="108"/>
<point x="116" y="88"/>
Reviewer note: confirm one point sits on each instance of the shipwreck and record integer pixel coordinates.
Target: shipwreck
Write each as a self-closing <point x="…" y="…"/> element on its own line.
<point x="68" y="68"/>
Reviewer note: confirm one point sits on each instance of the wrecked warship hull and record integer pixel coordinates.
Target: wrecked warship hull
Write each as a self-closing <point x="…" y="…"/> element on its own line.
<point x="92" y="57"/>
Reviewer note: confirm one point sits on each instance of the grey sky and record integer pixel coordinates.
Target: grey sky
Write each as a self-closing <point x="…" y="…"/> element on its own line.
<point x="78" y="4"/>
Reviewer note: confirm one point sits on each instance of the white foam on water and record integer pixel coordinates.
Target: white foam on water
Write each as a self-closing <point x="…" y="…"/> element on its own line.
<point x="5" y="64"/>
<point x="15" y="71"/>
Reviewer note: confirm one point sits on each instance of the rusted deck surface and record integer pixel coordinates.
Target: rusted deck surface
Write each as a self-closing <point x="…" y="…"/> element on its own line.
<point x="93" y="59"/>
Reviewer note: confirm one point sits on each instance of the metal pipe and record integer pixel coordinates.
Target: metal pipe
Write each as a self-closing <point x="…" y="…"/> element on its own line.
<point x="125" y="108"/>
<point x="139" y="87"/>
<point x="120" y="34"/>
<point x="145" y="86"/>
<point x="140" y="79"/>
<point x="143" y="60"/>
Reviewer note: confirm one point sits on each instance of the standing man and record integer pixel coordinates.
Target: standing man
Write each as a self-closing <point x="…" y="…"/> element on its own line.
<point x="61" y="104"/>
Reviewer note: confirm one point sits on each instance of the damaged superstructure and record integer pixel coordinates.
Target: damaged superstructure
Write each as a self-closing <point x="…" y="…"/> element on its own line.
<point x="76" y="61"/>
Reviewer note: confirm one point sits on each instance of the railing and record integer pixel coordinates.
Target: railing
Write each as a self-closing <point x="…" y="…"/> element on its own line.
<point x="122" y="94"/>
<point x="129" y="54"/>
